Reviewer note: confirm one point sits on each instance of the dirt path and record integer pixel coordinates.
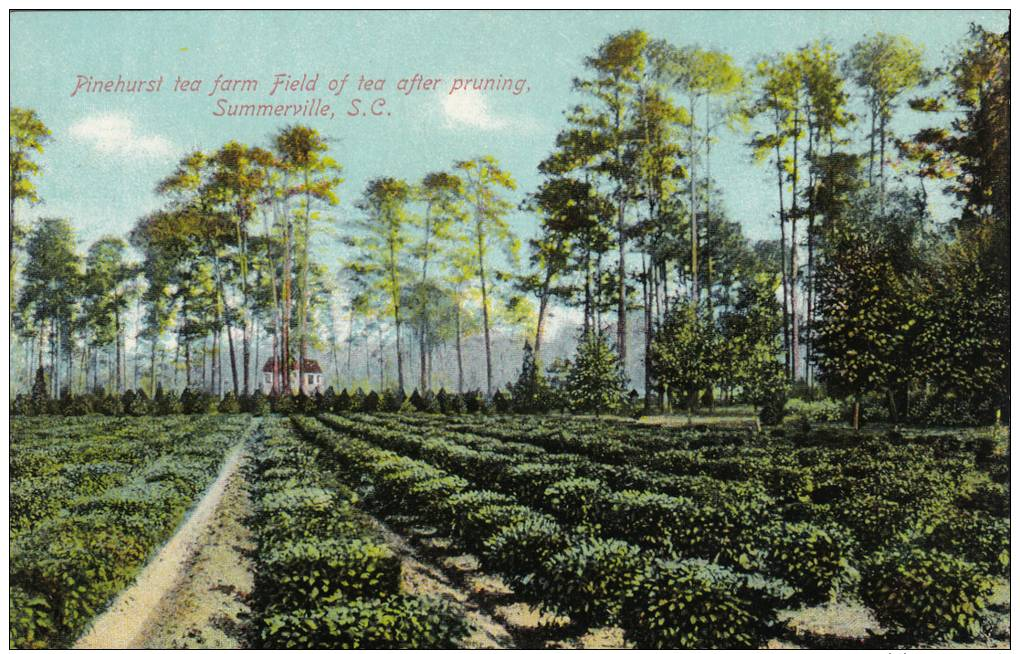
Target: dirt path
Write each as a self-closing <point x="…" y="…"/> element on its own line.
<point x="419" y="577"/>
<point x="207" y="610"/>
<point x="139" y="610"/>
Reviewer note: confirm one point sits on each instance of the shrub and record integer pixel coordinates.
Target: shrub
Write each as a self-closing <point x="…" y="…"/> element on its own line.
<point x="693" y="604"/>
<point x="229" y="404"/>
<point x="773" y="409"/>
<point x="109" y="405"/>
<point x="575" y="500"/>
<point x="481" y="523"/>
<point x="193" y="401"/>
<point x="258" y="404"/>
<point x="396" y="622"/>
<point x="31" y="621"/>
<point x="925" y="595"/>
<point x="169" y="404"/>
<point x="343" y="402"/>
<point x="974" y="536"/>
<point x="824" y="410"/>
<point x="294" y="574"/>
<point x="589" y="580"/>
<point x="646" y="518"/>
<point x="473" y="401"/>
<point x="811" y="560"/>
<point x="452" y="513"/>
<point x="987" y="496"/>
<point x="371" y="403"/>
<point x="528" y="481"/>
<point x="501" y="402"/>
<point x="519" y="549"/>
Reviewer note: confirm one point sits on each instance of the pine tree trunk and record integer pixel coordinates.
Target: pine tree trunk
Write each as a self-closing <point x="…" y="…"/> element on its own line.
<point x="284" y="368"/>
<point x="460" y="360"/>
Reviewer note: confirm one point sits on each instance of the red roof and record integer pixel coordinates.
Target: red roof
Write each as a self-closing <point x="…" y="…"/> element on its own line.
<point x="311" y="365"/>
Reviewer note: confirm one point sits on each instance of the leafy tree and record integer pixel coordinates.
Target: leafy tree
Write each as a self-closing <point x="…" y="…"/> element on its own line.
<point x="685" y="352"/>
<point x="312" y="177"/>
<point x="52" y="288"/>
<point x="381" y="249"/>
<point x="441" y="193"/>
<point x="886" y="67"/>
<point x="868" y="305"/>
<point x="106" y="295"/>
<point x="752" y="343"/>
<point x="616" y="69"/>
<point x="483" y="180"/>
<point x="596" y="382"/>
<point x="28" y="136"/>
<point x="530" y="393"/>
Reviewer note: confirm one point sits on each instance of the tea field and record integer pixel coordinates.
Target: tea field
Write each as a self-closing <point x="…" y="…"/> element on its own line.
<point x="649" y="536"/>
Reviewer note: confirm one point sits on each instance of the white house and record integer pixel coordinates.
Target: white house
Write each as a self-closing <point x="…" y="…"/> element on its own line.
<point x="312" y="377"/>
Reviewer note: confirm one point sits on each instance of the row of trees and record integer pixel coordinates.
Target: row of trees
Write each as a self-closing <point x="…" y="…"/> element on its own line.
<point x="860" y="286"/>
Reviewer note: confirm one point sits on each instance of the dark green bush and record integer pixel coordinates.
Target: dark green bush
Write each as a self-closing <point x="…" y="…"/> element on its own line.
<point x="31" y="620"/>
<point x="974" y="536"/>
<point x="229" y="404"/>
<point x="813" y="561"/>
<point x="519" y="549"/>
<point x="693" y="604"/>
<point x="589" y="580"/>
<point x="989" y="497"/>
<point x="925" y="595"/>
<point x="395" y="622"/>
<point x="371" y="403"/>
<point x="342" y="403"/>
<point x="575" y="500"/>
<point x="481" y="523"/>
<point x="298" y="573"/>
<point x="651" y="520"/>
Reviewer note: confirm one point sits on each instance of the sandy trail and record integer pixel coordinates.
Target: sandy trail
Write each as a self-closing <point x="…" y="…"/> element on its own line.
<point x="123" y="625"/>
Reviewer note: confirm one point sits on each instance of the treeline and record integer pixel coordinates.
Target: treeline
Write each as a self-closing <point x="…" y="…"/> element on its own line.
<point x="863" y="295"/>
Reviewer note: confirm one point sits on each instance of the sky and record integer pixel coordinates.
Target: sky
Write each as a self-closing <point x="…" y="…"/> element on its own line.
<point x="109" y="150"/>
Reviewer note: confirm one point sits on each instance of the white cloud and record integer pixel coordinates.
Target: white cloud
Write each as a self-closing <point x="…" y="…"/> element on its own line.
<point x="466" y="109"/>
<point x="117" y="135"/>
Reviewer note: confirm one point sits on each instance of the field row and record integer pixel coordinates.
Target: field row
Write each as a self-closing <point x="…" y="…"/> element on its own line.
<point x="91" y="501"/>
<point x="323" y="578"/>
<point x="839" y="546"/>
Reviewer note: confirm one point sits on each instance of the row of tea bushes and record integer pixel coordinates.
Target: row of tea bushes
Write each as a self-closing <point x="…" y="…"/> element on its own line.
<point x="323" y="579"/>
<point x="592" y="579"/>
<point x="65" y="569"/>
<point x="811" y="555"/>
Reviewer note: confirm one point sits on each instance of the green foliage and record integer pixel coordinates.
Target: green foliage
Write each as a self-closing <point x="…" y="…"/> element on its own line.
<point x="926" y="595"/>
<point x="121" y="488"/>
<point x="816" y="411"/>
<point x="343" y="402"/>
<point x="590" y="579"/>
<point x="575" y="500"/>
<point x="229" y="404"/>
<point x="596" y="382"/>
<point x="314" y="571"/>
<point x="693" y="604"/>
<point x="31" y="620"/>
<point x="813" y="560"/>
<point x="395" y="622"/>
<point x="685" y="351"/>
<point x="751" y="345"/>
<point x="530" y="393"/>
<point x="973" y="536"/>
<point x="520" y="548"/>
<point x="371" y="403"/>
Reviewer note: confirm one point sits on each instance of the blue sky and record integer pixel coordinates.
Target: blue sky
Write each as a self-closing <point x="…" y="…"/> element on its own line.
<point x="110" y="150"/>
